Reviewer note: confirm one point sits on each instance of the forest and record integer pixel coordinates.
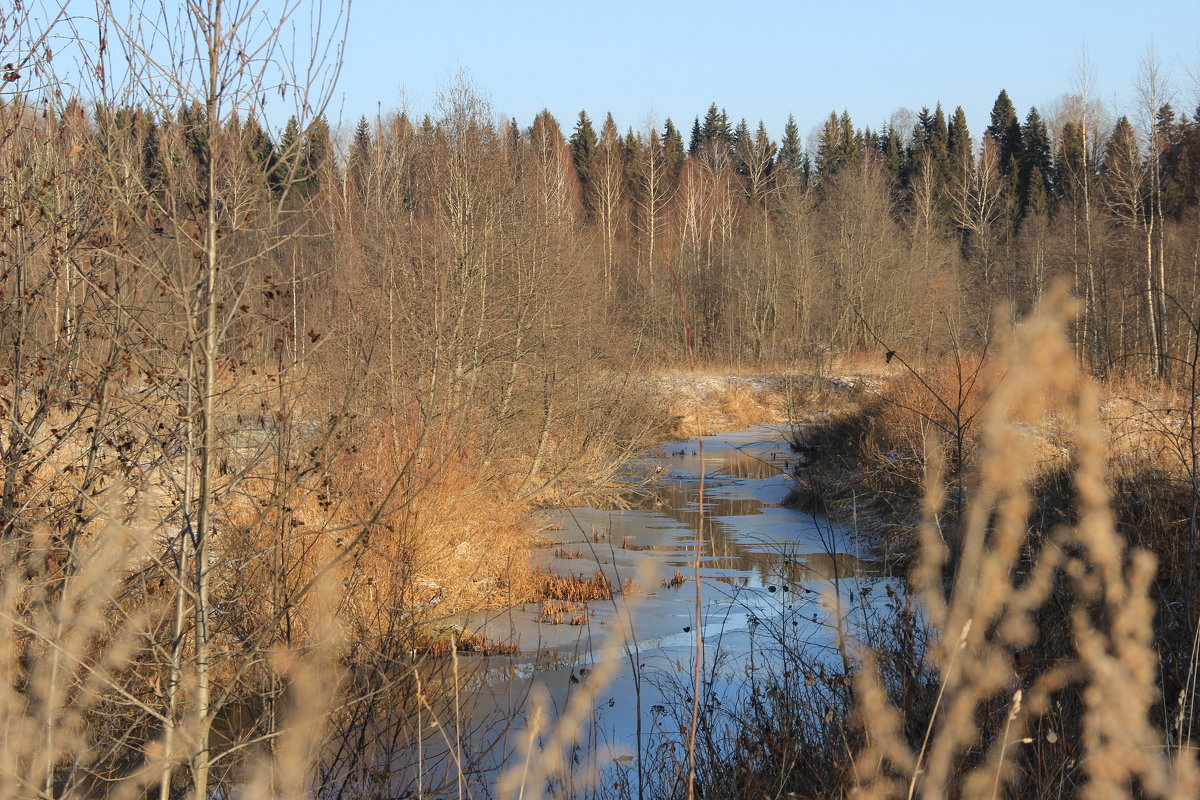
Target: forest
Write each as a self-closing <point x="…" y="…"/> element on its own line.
<point x="279" y="396"/>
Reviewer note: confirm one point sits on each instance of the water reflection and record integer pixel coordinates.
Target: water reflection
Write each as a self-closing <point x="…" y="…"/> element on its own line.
<point x="762" y="567"/>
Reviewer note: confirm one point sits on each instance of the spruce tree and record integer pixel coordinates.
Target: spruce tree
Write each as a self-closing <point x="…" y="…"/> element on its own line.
<point x="837" y="145"/>
<point x="961" y="149"/>
<point x="697" y="138"/>
<point x="360" y="153"/>
<point x="1033" y="183"/>
<point x="716" y="127"/>
<point x="583" y="148"/>
<point x="849" y="142"/>
<point x="1068" y="161"/>
<point x="546" y="134"/>
<point x="673" y="147"/>
<point x="893" y="154"/>
<point x="789" y="163"/>
<point x="939" y="145"/>
<point x="258" y="145"/>
<point x="742" y="140"/>
<point x="1005" y="130"/>
<point x="958" y="135"/>
<point x="316" y="150"/>
<point x="287" y="169"/>
<point x="632" y="149"/>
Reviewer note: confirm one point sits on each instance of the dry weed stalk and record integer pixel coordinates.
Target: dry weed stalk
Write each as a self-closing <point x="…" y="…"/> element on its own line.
<point x="983" y="603"/>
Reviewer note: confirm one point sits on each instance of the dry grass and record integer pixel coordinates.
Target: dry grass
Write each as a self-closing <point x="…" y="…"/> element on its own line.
<point x="572" y="588"/>
<point x="443" y="642"/>
<point x="723" y="402"/>
<point x="559" y="612"/>
<point x="675" y="581"/>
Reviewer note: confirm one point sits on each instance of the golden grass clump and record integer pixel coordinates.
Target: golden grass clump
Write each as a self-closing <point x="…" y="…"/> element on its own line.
<point x="559" y="612"/>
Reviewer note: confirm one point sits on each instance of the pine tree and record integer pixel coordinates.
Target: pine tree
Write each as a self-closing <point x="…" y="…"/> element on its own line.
<point x="583" y="148"/>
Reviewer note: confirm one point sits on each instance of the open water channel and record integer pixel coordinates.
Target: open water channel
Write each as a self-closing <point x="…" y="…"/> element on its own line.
<point x="772" y="582"/>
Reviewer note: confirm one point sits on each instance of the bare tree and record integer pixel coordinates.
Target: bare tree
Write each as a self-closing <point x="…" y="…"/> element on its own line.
<point x="1151" y="89"/>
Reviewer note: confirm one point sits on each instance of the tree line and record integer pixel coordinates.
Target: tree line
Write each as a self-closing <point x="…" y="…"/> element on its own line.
<point x="908" y="234"/>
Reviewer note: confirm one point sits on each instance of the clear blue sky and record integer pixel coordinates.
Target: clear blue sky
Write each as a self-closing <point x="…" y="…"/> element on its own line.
<point x="759" y="60"/>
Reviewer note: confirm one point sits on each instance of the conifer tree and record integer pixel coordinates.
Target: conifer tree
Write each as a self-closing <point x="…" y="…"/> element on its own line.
<point x="828" y="147"/>
<point x="583" y="148"/>
<point x="632" y="150"/>
<point x="545" y="132"/>
<point x="958" y="163"/>
<point x="715" y="144"/>
<point x="716" y="126"/>
<point x="360" y="153"/>
<point x="893" y="154"/>
<point x="837" y="145"/>
<point x="755" y="158"/>
<point x="1068" y="161"/>
<point x="316" y="150"/>
<point x="673" y="147"/>
<point x="289" y="154"/>
<point x="697" y="138"/>
<point x="1033" y="183"/>
<point x="1005" y="130"/>
<point x="258" y="145"/>
<point x="939" y="142"/>
<point x="741" y="139"/>
<point x="958" y="136"/>
<point x="789" y="163"/>
<point x="848" y="139"/>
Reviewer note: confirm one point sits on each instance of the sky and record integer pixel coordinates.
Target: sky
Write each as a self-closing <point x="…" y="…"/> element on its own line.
<point x="648" y="60"/>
